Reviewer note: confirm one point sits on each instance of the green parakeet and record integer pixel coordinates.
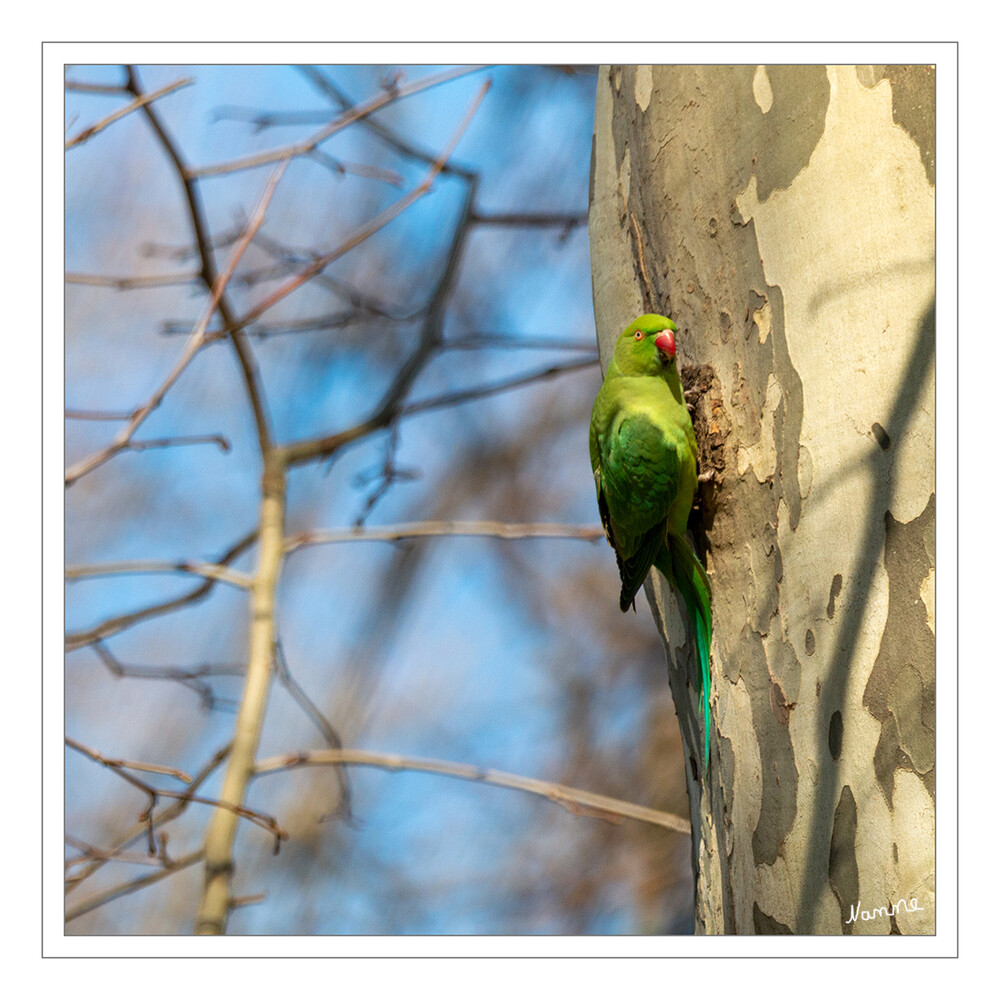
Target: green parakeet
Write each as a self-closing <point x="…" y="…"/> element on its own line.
<point x="644" y="456"/>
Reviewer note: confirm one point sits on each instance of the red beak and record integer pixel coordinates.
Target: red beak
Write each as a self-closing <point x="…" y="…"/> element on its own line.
<point x="664" y="341"/>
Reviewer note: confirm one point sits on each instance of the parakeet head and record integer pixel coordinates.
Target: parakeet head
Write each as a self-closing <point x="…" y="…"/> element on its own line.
<point x="646" y="346"/>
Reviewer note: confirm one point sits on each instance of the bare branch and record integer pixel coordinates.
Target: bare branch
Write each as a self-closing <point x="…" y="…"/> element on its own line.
<point x="248" y="364"/>
<point x="432" y="529"/>
<point x="116" y="892"/>
<point x="139" y="102"/>
<point x="91" y="853"/>
<point x="120" y="765"/>
<point x="518" y="342"/>
<point x="191" y="677"/>
<point x="141" y="829"/>
<point x="125" y="568"/>
<point x="181" y="440"/>
<point x="342" y="167"/>
<point x="383" y="218"/>
<point x="98" y="415"/>
<point x="127" y="283"/>
<point x="574" y="799"/>
<point x="312" y="449"/>
<point x="491" y="389"/>
<point x="566" y="220"/>
<point x="214" y="906"/>
<point x="329" y="88"/>
<point x="195" y="342"/>
<point x="107" y="89"/>
<point x="319" y="720"/>
<point x="118" y="623"/>
<point x="357" y="113"/>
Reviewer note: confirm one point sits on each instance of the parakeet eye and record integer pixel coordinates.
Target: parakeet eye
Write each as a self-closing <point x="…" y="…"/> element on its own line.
<point x="638" y="334"/>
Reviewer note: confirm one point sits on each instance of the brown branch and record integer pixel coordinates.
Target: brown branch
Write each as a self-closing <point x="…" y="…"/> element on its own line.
<point x="209" y="571"/>
<point x="107" y="89"/>
<point x="401" y="145"/>
<point x="214" y="906"/>
<point x="141" y="830"/>
<point x="120" y="765"/>
<point x="433" y="529"/>
<point x="517" y="342"/>
<point x="248" y="365"/>
<point x="187" y="439"/>
<point x="574" y="799"/>
<point x="356" y="113"/>
<point x="190" y="677"/>
<point x="312" y="449"/>
<point x="567" y="220"/>
<point x="117" y="891"/>
<point x="118" y="623"/>
<point x="491" y="389"/>
<point x="330" y="735"/>
<point x="98" y="415"/>
<point x="91" y="853"/>
<point x="195" y="342"/>
<point x="123" y="284"/>
<point x="343" y="167"/>
<point x="364" y="232"/>
<point x="139" y="102"/>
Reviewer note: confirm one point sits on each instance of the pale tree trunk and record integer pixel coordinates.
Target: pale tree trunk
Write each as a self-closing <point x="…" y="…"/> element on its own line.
<point x="784" y="218"/>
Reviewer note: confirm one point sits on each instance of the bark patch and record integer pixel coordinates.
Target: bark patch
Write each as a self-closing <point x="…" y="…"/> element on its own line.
<point x="843" y="859"/>
<point x="900" y="692"/>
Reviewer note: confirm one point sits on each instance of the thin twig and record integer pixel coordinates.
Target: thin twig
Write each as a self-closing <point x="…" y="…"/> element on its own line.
<point x="126" y="283"/>
<point x="252" y="382"/>
<point x="566" y="220"/>
<point x="492" y="388"/>
<point x="195" y="342"/>
<point x="574" y="799"/>
<point x="221" y="574"/>
<point x="356" y="113"/>
<point x="180" y="440"/>
<point x="118" y="623"/>
<point x="90" y="853"/>
<point x="517" y="342"/>
<point x="107" y="89"/>
<point x="399" y="143"/>
<point x="117" y="891"/>
<point x="139" y="102"/>
<point x="98" y="415"/>
<point x="330" y="735"/>
<point x="428" y="529"/>
<point x="343" y="167"/>
<point x="364" y="232"/>
<point x="313" y="449"/>
<point x="140" y="830"/>
<point x="120" y="765"/>
<point x="190" y="677"/>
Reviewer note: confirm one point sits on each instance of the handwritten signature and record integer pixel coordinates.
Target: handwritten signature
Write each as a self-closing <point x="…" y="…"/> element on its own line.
<point x="900" y="906"/>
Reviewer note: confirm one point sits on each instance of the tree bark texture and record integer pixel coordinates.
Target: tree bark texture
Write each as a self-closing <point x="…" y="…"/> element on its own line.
<point x="783" y="217"/>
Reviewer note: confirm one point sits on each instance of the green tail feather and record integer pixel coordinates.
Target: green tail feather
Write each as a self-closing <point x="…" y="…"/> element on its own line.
<point x="692" y="582"/>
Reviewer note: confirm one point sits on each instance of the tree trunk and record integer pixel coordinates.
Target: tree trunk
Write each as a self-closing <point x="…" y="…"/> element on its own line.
<point x="784" y="218"/>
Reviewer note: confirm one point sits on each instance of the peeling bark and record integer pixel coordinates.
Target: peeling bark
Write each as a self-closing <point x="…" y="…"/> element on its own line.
<point x="783" y="217"/>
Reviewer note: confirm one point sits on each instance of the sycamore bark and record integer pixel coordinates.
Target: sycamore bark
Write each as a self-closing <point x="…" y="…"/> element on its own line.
<point x="783" y="217"/>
